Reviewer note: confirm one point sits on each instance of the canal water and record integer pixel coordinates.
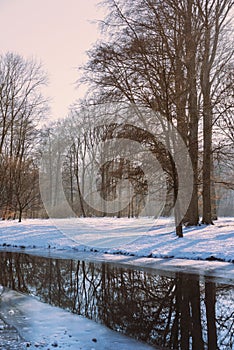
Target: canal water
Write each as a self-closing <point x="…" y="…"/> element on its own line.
<point x="180" y="311"/>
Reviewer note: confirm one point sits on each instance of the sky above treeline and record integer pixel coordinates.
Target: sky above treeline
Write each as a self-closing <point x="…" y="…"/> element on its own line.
<point x="57" y="33"/>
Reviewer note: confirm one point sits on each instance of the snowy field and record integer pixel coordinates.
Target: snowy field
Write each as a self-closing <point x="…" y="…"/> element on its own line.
<point x="123" y="236"/>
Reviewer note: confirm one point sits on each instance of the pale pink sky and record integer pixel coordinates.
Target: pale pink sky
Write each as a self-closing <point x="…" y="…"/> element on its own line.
<point x="57" y="32"/>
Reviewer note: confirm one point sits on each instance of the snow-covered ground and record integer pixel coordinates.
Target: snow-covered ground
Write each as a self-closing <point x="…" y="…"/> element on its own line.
<point x="124" y="236"/>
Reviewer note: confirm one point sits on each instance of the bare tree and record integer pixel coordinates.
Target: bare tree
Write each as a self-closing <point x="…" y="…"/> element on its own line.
<point x="167" y="56"/>
<point x="22" y="106"/>
<point x="213" y="14"/>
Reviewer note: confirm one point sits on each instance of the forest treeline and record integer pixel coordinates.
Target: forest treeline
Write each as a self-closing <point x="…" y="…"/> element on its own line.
<point x="22" y="106"/>
<point x="172" y="60"/>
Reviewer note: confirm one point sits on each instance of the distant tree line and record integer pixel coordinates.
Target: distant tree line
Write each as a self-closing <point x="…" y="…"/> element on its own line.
<point x="174" y="60"/>
<point x="21" y="108"/>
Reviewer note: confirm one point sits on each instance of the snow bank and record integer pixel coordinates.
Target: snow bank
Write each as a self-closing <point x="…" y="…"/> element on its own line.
<point x="123" y="236"/>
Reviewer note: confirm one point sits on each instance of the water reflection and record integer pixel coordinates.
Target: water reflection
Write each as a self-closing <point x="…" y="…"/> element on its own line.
<point x="174" y="313"/>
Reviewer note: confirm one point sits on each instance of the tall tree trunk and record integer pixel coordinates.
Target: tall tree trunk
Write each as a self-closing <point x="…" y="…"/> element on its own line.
<point x="80" y="196"/>
<point x="71" y="180"/>
<point x="20" y="214"/>
<point x="207" y="152"/>
<point x="214" y="14"/>
<point x="192" y="216"/>
<point x="214" y="215"/>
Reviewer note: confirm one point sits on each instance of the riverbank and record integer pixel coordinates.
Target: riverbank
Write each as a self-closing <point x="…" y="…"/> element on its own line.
<point x="123" y="236"/>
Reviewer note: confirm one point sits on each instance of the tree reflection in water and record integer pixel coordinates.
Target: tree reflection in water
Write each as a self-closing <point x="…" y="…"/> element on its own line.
<point x="179" y="312"/>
